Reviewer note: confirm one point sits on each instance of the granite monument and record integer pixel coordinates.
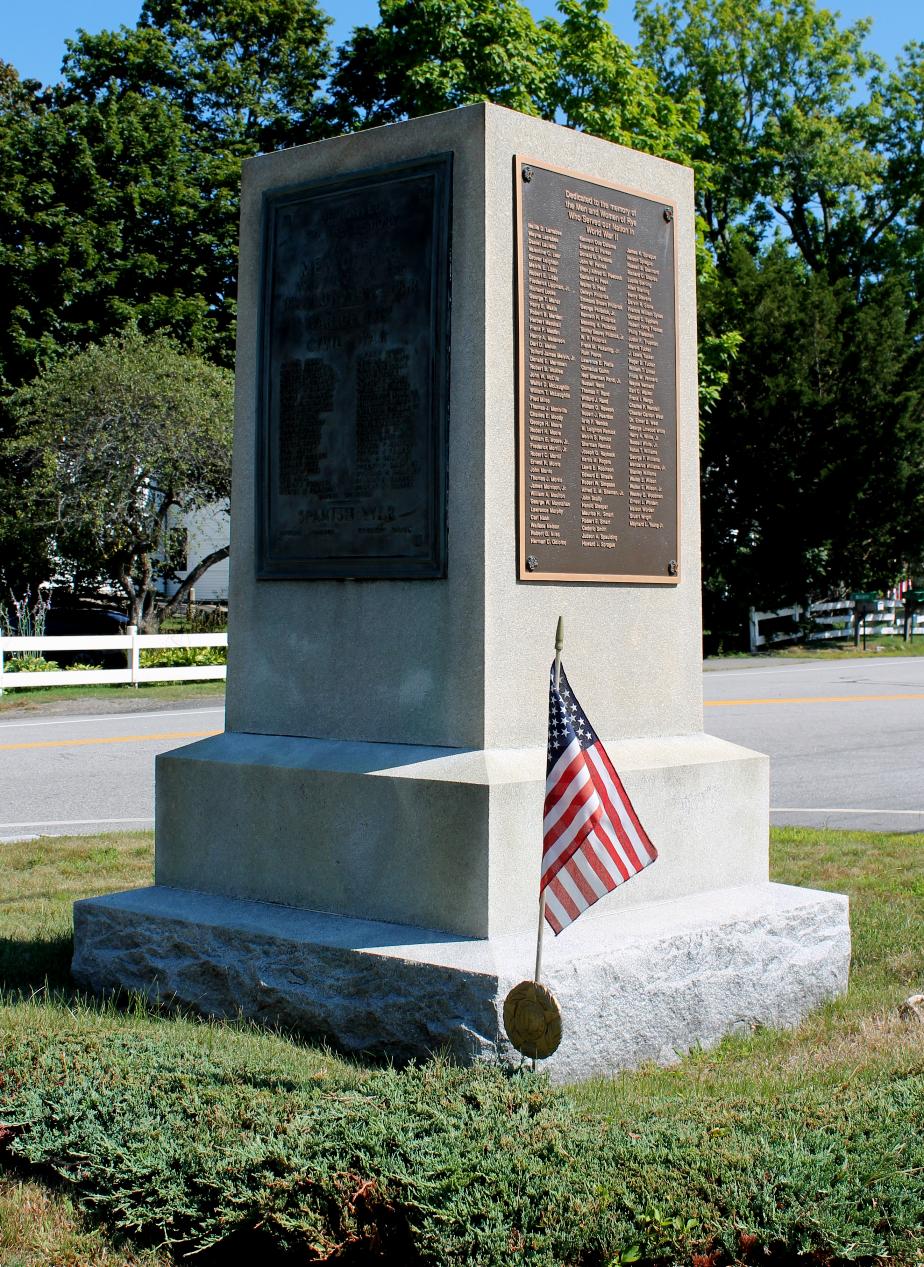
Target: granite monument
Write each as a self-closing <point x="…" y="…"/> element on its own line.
<point x="466" y="404"/>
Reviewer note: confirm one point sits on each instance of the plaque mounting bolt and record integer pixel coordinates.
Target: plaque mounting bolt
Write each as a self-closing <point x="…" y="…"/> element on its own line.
<point x="527" y="174"/>
<point x="668" y="214"/>
<point x="532" y="563"/>
<point x="672" y="568"/>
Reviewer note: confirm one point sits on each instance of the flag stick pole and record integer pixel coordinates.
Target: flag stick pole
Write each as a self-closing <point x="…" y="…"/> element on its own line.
<point x="559" y="643"/>
<point x="539" y="938"/>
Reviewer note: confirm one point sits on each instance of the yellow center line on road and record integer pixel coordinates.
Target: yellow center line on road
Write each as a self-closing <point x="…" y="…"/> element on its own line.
<point x="810" y="699"/>
<point x="81" y="743"/>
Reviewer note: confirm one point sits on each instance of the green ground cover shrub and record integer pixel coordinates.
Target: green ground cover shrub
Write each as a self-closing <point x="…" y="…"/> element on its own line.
<point x="173" y="657"/>
<point x="774" y="1148"/>
<point x="29" y="664"/>
<point x="440" y="1165"/>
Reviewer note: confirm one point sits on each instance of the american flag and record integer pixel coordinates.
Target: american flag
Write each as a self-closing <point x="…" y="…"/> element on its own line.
<point x="592" y="839"/>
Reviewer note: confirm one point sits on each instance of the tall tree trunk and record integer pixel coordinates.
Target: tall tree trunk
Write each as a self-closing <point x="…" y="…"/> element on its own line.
<point x="135" y="599"/>
<point x="147" y="609"/>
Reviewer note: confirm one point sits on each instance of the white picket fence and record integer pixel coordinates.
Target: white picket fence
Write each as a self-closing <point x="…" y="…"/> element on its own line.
<point x="834" y="619"/>
<point x="131" y="643"/>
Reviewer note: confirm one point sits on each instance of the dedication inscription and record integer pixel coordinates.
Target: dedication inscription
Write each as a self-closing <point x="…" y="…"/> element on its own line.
<point x="354" y="375"/>
<point x="598" y="496"/>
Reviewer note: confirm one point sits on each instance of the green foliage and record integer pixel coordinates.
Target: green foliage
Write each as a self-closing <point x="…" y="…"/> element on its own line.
<point x="171" y="657"/>
<point x="776" y="1147"/>
<point x="600" y="87"/>
<point x="119" y="203"/>
<point x="119" y="187"/>
<point x="205" y="620"/>
<point x="25" y="663"/>
<point x="113" y="439"/>
<point x="813" y="477"/>
<point x="785" y="138"/>
<point x="103" y="219"/>
<point x="26" y="620"/>
<point x="119" y="192"/>
<point x="810" y="165"/>
<point x="430" y="55"/>
<point x="440" y="1165"/>
<point x="244" y="74"/>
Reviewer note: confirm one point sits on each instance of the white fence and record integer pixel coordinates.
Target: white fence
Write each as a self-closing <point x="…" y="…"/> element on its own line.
<point x="131" y="644"/>
<point x="833" y="619"/>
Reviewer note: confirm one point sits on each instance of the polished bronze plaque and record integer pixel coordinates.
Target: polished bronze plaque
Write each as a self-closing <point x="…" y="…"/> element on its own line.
<point x="598" y="496"/>
<point x="353" y="397"/>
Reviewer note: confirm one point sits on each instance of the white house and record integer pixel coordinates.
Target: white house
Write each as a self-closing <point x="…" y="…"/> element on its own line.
<point x="204" y="530"/>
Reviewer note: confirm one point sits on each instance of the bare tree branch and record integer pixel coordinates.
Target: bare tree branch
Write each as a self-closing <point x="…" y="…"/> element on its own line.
<point x="180" y="596"/>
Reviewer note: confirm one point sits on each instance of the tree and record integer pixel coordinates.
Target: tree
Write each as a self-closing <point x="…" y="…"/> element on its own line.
<point x="803" y="129"/>
<point x="813" y="459"/>
<point x="429" y="55"/>
<point x="113" y="439"/>
<point x="100" y="224"/>
<point x="119" y="186"/>
<point x="813" y="157"/>
<point x="119" y="190"/>
<point x="102" y="221"/>
<point x="601" y="87"/>
<point x="245" y="74"/>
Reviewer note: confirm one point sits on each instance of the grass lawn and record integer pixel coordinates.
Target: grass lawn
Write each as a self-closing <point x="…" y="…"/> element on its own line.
<point x="836" y="649"/>
<point x="778" y="1147"/>
<point x="35" y="699"/>
<point x="40" y="1227"/>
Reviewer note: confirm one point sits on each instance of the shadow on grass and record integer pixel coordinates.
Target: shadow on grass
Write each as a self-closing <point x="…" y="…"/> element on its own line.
<point x="32" y="964"/>
<point x="386" y="1240"/>
<point x="40" y="967"/>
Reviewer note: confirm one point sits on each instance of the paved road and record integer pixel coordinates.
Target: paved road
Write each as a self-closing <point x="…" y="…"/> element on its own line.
<point x="846" y="739"/>
<point x="84" y="774"/>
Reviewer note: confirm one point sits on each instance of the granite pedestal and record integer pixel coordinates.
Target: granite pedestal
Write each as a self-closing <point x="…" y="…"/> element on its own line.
<point x="644" y="984"/>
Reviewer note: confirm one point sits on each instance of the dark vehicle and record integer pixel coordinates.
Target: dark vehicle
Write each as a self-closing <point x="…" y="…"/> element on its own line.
<point x="85" y="621"/>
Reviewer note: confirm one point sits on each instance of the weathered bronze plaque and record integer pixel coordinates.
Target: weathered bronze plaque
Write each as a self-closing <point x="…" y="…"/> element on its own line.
<point x="598" y="496"/>
<point x="353" y="403"/>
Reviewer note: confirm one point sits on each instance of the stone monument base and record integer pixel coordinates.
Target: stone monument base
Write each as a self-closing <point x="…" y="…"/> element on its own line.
<point x="646" y="983"/>
<point x="438" y="838"/>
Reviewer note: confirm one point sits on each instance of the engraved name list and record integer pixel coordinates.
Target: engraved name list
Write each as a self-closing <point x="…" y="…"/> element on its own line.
<point x="598" y="433"/>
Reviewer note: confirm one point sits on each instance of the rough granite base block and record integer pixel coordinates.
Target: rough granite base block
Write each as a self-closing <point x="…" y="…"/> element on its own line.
<point x="641" y="984"/>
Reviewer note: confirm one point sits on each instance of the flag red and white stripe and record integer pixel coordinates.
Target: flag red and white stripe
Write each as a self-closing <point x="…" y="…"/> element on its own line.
<point x="592" y="838"/>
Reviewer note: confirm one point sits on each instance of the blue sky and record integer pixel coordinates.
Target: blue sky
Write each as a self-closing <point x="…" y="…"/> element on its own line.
<point x="32" y="35"/>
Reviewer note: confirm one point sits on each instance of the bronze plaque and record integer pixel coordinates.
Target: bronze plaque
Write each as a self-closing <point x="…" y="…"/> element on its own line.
<point x="598" y="496"/>
<point x="353" y="403"/>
